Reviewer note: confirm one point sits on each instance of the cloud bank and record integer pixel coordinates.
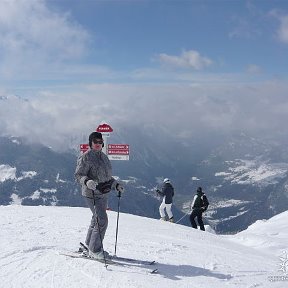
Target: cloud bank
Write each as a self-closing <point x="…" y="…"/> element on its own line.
<point x="40" y="44"/>
<point x="185" y="110"/>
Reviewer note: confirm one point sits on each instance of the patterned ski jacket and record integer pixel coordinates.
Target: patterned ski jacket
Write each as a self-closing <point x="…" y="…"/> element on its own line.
<point x="96" y="166"/>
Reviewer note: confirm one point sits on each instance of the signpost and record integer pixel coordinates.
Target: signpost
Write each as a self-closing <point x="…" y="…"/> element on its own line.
<point x="118" y="151"/>
<point x="105" y="129"/>
<point x="84" y="147"/>
<point x="113" y="151"/>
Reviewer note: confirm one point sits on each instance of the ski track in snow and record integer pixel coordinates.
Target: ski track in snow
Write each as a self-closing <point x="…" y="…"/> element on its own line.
<point x="33" y="237"/>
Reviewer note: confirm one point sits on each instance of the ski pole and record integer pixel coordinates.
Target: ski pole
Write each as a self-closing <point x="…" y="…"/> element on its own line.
<point x="117" y="225"/>
<point x="185" y="214"/>
<point x="182" y="217"/>
<point x="98" y="226"/>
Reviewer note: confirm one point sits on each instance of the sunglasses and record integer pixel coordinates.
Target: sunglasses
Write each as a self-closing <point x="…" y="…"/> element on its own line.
<point x="98" y="141"/>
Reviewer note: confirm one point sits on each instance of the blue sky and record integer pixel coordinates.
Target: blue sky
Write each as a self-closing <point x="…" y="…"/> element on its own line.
<point x="227" y="60"/>
<point x="233" y="35"/>
<point x="141" y="40"/>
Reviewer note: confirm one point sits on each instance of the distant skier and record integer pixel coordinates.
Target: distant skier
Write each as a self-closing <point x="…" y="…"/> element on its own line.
<point x="167" y="192"/>
<point x="94" y="174"/>
<point x="199" y="205"/>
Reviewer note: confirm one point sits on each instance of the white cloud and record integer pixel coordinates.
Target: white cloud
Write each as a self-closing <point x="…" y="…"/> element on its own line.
<point x="283" y="29"/>
<point x="188" y="59"/>
<point x="55" y="118"/>
<point x="254" y="69"/>
<point x="32" y="38"/>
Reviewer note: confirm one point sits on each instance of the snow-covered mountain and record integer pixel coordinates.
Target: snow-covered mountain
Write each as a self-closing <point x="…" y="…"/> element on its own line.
<point x="32" y="174"/>
<point x="32" y="239"/>
<point x="245" y="178"/>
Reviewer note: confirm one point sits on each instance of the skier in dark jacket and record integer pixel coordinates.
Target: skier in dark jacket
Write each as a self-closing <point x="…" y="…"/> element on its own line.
<point x="167" y="192"/>
<point x="199" y="205"/>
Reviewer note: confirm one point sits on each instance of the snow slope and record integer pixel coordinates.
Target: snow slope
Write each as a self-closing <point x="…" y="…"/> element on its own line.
<point x="32" y="237"/>
<point x="267" y="235"/>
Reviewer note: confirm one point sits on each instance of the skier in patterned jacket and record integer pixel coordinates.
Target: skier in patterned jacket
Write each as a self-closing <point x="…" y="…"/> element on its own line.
<point x="94" y="174"/>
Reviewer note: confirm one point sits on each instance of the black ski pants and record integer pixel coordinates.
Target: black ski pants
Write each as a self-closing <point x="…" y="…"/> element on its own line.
<point x="197" y="213"/>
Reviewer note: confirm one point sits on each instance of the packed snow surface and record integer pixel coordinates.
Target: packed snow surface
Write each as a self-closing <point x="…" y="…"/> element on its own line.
<point x="32" y="239"/>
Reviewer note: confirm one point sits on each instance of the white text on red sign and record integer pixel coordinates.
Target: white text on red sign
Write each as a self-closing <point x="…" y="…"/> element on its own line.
<point x="84" y="147"/>
<point x="119" y="152"/>
<point x="118" y="146"/>
<point x="104" y="128"/>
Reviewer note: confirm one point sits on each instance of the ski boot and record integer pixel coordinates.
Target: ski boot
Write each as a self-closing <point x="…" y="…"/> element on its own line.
<point x="171" y="220"/>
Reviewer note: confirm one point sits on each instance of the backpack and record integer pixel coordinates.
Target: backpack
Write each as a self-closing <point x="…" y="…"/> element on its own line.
<point x="202" y="202"/>
<point x="205" y="202"/>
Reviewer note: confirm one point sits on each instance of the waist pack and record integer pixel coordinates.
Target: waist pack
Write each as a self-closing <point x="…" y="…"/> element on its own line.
<point x="105" y="187"/>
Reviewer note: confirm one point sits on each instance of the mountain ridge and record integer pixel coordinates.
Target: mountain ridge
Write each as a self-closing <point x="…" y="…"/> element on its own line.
<point x="242" y="187"/>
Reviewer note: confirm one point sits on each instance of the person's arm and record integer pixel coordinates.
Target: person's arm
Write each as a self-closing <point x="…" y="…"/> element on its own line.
<point x="81" y="172"/>
<point x="159" y="192"/>
<point x="193" y="202"/>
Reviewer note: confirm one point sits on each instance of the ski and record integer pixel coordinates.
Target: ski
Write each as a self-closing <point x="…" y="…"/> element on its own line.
<point x="77" y="255"/>
<point x="135" y="261"/>
<point x="125" y="259"/>
<point x="107" y="262"/>
<point x="155" y="271"/>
